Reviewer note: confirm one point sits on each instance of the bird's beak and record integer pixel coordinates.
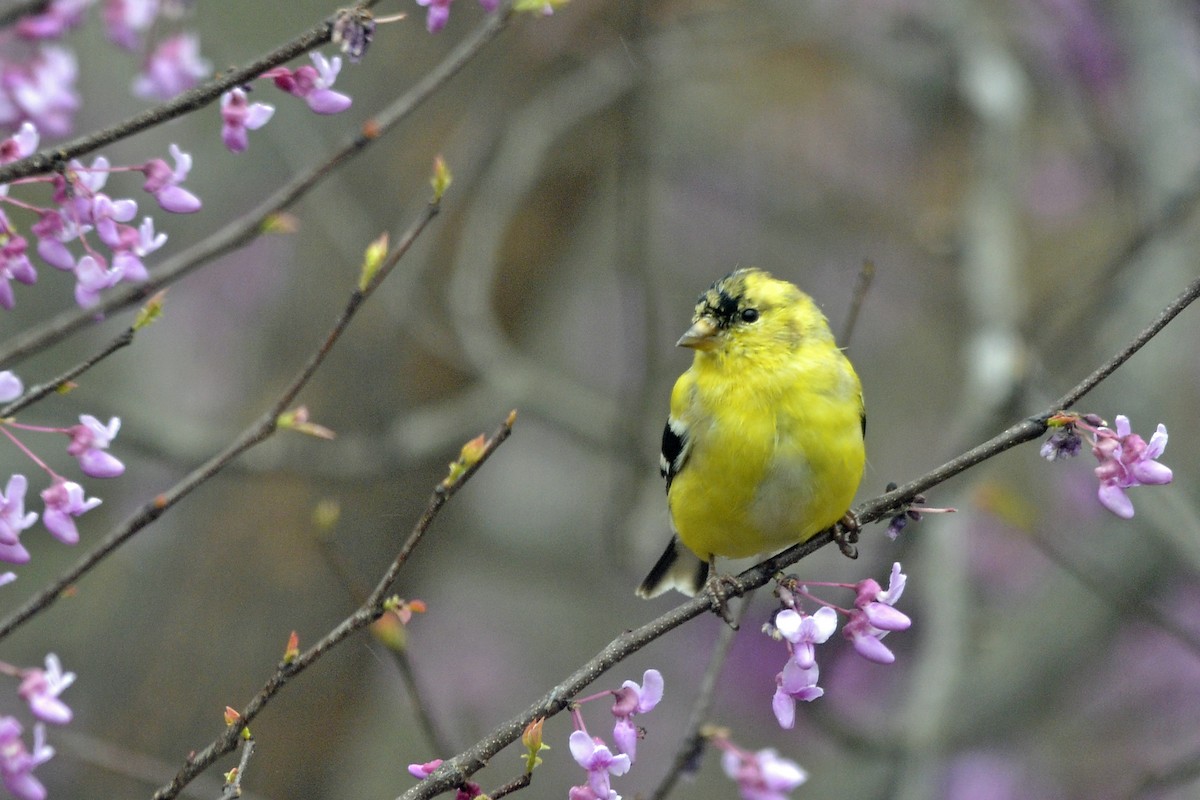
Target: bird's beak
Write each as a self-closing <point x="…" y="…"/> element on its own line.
<point x="701" y="336"/>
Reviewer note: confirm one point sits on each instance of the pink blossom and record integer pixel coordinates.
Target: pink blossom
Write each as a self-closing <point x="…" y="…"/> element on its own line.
<point x="10" y="386"/>
<point x="595" y="757"/>
<point x="58" y="17"/>
<point x="312" y="84"/>
<point x="64" y="501"/>
<point x="126" y="20"/>
<point x="633" y="699"/>
<point x="1127" y="460"/>
<point x="41" y="90"/>
<point x="239" y="115"/>
<point x="163" y="182"/>
<point x="41" y="688"/>
<point x="174" y="67"/>
<point x="89" y="440"/>
<point x="17" y="763"/>
<point x="423" y="771"/>
<point x="13" y="518"/>
<point x="762" y="775"/>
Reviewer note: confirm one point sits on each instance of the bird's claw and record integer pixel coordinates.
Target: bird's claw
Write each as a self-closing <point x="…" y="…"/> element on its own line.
<point x="716" y="587"/>
<point x="845" y="533"/>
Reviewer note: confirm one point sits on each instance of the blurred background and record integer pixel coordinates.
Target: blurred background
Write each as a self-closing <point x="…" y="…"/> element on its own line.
<point x="1023" y="175"/>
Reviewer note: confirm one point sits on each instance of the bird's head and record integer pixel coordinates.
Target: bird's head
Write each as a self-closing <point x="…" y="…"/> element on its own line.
<point x="748" y="313"/>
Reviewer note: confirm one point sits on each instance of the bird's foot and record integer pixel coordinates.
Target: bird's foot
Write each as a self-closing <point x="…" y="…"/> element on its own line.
<point x="718" y="587"/>
<point x="845" y="533"/>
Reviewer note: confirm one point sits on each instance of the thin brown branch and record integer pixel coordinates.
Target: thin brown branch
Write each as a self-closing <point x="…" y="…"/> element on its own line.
<point x="514" y="785"/>
<point x="256" y="433"/>
<point x="233" y="786"/>
<point x="53" y="159"/>
<point x="434" y="738"/>
<point x="370" y="610"/>
<point x="35" y="393"/>
<point x="866" y="276"/>
<point x="247" y="227"/>
<point x="458" y="769"/>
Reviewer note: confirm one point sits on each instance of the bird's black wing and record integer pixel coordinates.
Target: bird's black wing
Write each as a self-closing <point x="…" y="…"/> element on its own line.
<point x="675" y="446"/>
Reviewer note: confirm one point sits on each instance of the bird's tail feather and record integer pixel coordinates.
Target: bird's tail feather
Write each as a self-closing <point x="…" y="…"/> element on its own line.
<point x="678" y="568"/>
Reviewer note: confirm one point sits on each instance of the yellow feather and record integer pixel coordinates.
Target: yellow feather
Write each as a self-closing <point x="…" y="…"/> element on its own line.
<point x="771" y="416"/>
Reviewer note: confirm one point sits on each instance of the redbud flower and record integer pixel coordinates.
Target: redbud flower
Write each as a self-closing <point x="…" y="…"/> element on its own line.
<point x="22" y="143"/>
<point x="17" y="763"/>
<point x="10" y="386"/>
<point x="874" y="617"/>
<point x="802" y="632"/>
<point x="311" y="84"/>
<point x="1127" y="460"/>
<point x="125" y="20"/>
<point x="42" y="91"/>
<point x="762" y="775"/>
<point x="174" y="67"/>
<point x="64" y="501"/>
<point x="163" y="182"/>
<point x="91" y="278"/>
<point x="14" y="263"/>
<point x="13" y="518"/>
<point x="41" y="688"/>
<point x="633" y="699"/>
<point x="239" y="115"/>
<point x="594" y="756"/>
<point x="106" y="214"/>
<point x="132" y="244"/>
<point x="53" y="231"/>
<point x="58" y="17"/>
<point x="438" y="15"/>
<point x="794" y="683"/>
<point x="89" y="440"/>
<point x="423" y="771"/>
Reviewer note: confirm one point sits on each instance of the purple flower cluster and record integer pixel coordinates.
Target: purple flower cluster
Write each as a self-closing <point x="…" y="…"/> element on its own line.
<point x="17" y="763"/>
<point x="64" y="500"/>
<point x="40" y="688"/>
<point x="762" y="775"/>
<point x="83" y="213"/>
<point x="1125" y="459"/>
<point x="871" y="618"/>
<point x="312" y="84"/>
<point x="594" y="755"/>
<point x="37" y="77"/>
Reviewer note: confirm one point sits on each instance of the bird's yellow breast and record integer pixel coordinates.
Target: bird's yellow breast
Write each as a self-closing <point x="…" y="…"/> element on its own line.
<point x="776" y="450"/>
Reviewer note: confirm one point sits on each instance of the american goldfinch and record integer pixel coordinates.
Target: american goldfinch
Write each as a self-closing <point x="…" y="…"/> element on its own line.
<point x="763" y="447"/>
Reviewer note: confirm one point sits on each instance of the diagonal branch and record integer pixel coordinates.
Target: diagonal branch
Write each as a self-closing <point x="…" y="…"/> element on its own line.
<point x="247" y="227"/>
<point x="255" y="434"/>
<point x="458" y="769"/>
<point x="55" y="158"/>
<point x="371" y="609"/>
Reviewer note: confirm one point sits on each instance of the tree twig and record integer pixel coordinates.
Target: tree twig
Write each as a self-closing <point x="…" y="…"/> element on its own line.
<point x="247" y="227"/>
<point x="370" y="610"/>
<point x="256" y="433"/>
<point x="52" y="159"/>
<point x="866" y="276"/>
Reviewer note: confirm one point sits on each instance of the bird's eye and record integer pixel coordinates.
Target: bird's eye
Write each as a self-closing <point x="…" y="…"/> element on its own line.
<point x="749" y="315"/>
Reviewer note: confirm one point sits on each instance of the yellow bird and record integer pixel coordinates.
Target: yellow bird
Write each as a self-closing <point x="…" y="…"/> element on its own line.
<point x="763" y="447"/>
